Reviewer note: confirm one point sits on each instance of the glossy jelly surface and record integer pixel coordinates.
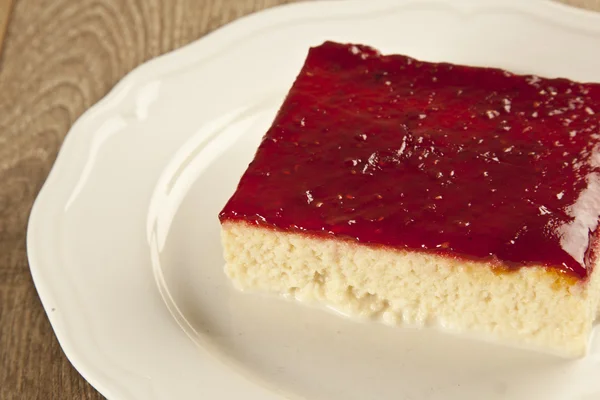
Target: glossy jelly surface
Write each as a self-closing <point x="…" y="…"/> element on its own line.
<point x="460" y="161"/>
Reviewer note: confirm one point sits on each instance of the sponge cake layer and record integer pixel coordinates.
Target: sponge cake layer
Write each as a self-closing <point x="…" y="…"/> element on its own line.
<point x="534" y="307"/>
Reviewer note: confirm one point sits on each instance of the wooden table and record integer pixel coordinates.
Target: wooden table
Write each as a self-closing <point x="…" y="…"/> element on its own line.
<point x="59" y="58"/>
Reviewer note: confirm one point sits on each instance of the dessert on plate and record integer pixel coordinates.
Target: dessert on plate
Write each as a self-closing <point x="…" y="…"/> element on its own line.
<point x="427" y="193"/>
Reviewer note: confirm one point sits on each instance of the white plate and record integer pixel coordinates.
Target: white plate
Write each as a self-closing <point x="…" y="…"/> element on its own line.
<point x="133" y="200"/>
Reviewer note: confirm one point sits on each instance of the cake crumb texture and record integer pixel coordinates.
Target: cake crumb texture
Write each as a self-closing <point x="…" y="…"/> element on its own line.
<point x="532" y="307"/>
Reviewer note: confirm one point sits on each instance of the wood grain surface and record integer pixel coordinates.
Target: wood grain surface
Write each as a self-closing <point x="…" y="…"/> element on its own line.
<point x="5" y="9"/>
<point x="59" y="58"/>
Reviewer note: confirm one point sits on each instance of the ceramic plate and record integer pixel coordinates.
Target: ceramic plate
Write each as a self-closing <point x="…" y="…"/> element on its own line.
<point x="124" y="244"/>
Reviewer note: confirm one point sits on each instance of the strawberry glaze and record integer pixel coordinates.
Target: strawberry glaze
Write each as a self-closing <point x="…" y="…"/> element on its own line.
<point x="460" y="161"/>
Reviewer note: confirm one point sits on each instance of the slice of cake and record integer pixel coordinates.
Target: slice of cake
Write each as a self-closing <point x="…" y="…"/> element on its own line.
<point x="427" y="193"/>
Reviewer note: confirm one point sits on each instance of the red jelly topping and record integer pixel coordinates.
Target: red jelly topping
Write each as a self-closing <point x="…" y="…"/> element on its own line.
<point x="455" y="160"/>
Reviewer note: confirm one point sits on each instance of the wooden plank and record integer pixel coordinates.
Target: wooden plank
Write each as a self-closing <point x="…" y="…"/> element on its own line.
<point x="5" y="9"/>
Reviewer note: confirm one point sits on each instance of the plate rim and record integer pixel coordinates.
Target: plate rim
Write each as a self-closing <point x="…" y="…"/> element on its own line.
<point x="41" y="259"/>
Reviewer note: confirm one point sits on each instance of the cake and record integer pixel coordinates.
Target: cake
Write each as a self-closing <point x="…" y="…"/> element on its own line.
<point x="427" y="193"/>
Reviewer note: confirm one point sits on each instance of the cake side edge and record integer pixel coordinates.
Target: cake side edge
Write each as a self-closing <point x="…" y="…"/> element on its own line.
<point x="531" y="307"/>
